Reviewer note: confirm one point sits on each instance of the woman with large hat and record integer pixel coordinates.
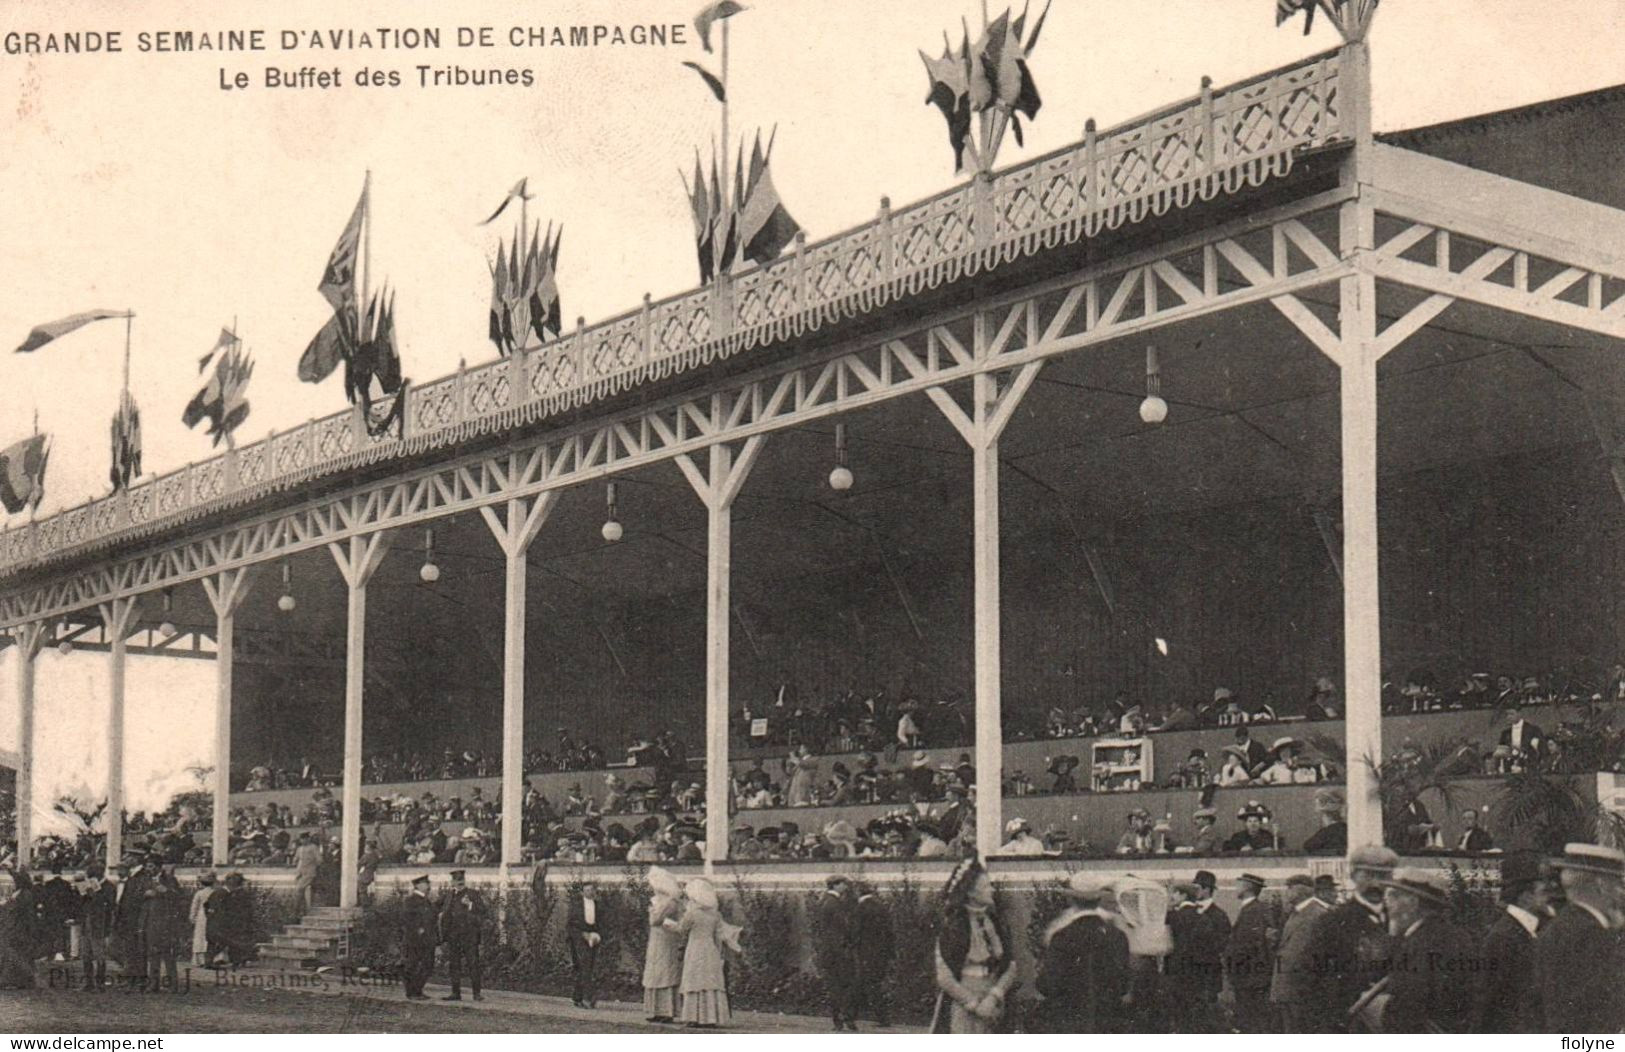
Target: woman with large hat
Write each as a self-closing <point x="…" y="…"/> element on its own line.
<point x="704" y="987"/>
<point x="975" y="956"/>
<point x="663" y="959"/>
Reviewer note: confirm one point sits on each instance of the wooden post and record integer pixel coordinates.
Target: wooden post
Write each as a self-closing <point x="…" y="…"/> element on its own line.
<point x="118" y="615"/>
<point x="357" y="562"/>
<point x="513" y="535"/>
<point x="226" y="592"/>
<point x="28" y="639"/>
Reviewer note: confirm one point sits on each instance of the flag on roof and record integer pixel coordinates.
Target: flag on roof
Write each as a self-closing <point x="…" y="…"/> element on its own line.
<point x="328" y="348"/>
<point x="765" y="225"/>
<point x="950" y="93"/>
<point x="546" y="315"/>
<point x="227" y="339"/>
<point x="22" y="473"/>
<point x="525" y="290"/>
<point x="338" y="279"/>
<point x="714" y="13"/>
<point x="126" y="443"/>
<point x="1285" y="9"/>
<point x="40" y="335"/>
<point x="517" y="193"/>
<point x="223" y="400"/>
<point x="376" y="360"/>
<point x="710" y="79"/>
<point x="699" y="204"/>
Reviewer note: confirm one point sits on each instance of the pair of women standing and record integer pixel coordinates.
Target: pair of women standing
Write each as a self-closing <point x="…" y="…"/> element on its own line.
<point x="683" y="978"/>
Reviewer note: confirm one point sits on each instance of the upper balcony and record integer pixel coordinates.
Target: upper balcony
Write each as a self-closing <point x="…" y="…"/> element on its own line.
<point x="1215" y="143"/>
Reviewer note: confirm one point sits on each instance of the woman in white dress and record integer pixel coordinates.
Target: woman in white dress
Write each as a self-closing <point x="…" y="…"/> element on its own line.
<point x="663" y="960"/>
<point x="704" y="987"/>
<point x="199" y="916"/>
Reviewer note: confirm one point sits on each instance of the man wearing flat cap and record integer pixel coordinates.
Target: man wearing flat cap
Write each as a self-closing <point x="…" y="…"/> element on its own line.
<point x="1578" y="955"/>
<point x="462" y="910"/>
<point x="1083" y="969"/>
<point x="1508" y="999"/>
<point x="1429" y="987"/>
<point x="1295" y="986"/>
<point x="1249" y="958"/>
<point x="419" y="934"/>
<point x="1352" y="945"/>
<point x="1195" y="968"/>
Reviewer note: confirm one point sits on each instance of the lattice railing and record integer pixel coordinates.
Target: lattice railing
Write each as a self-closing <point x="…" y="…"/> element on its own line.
<point x="1216" y="142"/>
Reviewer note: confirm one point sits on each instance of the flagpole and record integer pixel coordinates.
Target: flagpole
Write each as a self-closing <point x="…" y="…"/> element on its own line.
<point x="366" y="248"/>
<point x="129" y="324"/>
<point x="723" y="176"/>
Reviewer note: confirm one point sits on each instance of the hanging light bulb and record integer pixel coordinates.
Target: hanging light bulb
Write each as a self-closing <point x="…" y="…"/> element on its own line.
<point x="840" y="479"/>
<point x="285" y="602"/>
<point x="612" y="528"/>
<point x="430" y="573"/>
<point x="168" y="629"/>
<point x="64" y="648"/>
<point x="1153" y="410"/>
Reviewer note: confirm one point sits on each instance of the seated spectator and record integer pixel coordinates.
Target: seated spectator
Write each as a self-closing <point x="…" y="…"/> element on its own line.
<point x="1234" y="769"/>
<point x="1021" y="841"/>
<point x="1205" y="841"/>
<point x="1137" y="838"/>
<point x="1473" y="836"/>
<point x="1333" y="835"/>
<point x="1323" y="703"/>
<point x="1062" y="767"/>
<point x="921" y="779"/>
<point x="1286" y="768"/>
<point x="1255" y="834"/>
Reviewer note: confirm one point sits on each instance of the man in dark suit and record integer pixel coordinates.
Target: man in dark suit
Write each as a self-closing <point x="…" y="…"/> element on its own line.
<point x="873" y="951"/>
<point x="1257" y="756"/>
<point x="1473" y="837"/>
<point x="100" y="918"/>
<point x="1083" y="970"/>
<point x="1351" y="945"/>
<point x="1578" y="955"/>
<point x="462" y="911"/>
<point x="1295" y="987"/>
<point x="129" y="927"/>
<point x="1196" y="966"/>
<point x="834" y="936"/>
<point x="1429" y="988"/>
<point x="58" y="904"/>
<point x="1250" y="958"/>
<point x="1526" y="740"/>
<point x="419" y="934"/>
<point x="1508" y="1000"/>
<point x="582" y="930"/>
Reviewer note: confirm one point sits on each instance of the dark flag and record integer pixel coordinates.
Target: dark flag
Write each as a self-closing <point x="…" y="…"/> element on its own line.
<point x="545" y="313"/>
<point x="1285" y="9"/>
<point x="710" y="81"/>
<point x="714" y="13"/>
<point x="40" y="335"/>
<point x="765" y="225"/>
<point x="336" y="340"/>
<point x="223" y="400"/>
<point x="126" y="442"/>
<point x="329" y="347"/>
<point x="499" y="299"/>
<point x="227" y="339"/>
<point x="338" y="279"/>
<point x="705" y="218"/>
<point x="517" y="193"/>
<point x="377" y="361"/>
<point x="950" y="93"/>
<point x="22" y="473"/>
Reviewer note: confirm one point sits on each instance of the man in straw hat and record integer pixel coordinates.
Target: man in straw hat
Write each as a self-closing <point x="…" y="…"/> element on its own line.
<point x="462" y="910"/>
<point x="1429" y="988"/>
<point x="1083" y="971"/>
<point x="1508" y="997"/>
<point x="1249" y="958"/>
<point x="1195" y="969"/>
<point x="1578" y="955"/>
<point x="1352" y="941"/>
<point x="418" y="938"/>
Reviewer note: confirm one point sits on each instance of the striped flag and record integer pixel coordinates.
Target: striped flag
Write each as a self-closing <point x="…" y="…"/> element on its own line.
<point x="765" y="225"/>
<point x="40" y="335"/>
<point x="22" y="473"/>
<point x="223" y="400"/>
<point x="126" y="435"/>
<point x="338" y="279"/>
<point x="950" y="93"/>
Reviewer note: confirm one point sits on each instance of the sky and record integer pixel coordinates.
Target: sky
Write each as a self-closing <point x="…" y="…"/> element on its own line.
<point x="134" y="181"/>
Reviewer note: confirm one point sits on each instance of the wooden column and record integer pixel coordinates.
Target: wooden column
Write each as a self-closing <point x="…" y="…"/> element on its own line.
<point x="990" y="413"/>
<point x="226" y="591"/>
<point x="28" y="638"/>
<point x="717" y="488"/>
<point x="513" y="533"/>
<point x="358" y="559"/>
<point x="118" y="617"/>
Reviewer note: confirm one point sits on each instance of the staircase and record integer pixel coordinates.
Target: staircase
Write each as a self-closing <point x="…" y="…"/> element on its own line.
<point x="321" y="937"/>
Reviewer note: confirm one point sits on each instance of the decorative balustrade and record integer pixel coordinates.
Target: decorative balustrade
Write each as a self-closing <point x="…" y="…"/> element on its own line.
<point x="1216" y="142"/>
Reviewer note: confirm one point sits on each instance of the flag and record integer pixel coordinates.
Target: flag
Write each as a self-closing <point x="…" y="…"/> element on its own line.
<point x="518" y="191"/>
<point x="725" y="242"/>
<point x="223" y="400"/>
<point x="1285" y="9"/>
<point x="126" y="441"/>
<point x="330" y="346"/>
<point x="499" y="292"/>
<point x="710" y="81"/>
<point x="227" y="338"/>
<point x="699" y="204"/>
<point x="22" y="473"/>
<point x="765" y="225"/>
<point x="545" y="312"/>
<point x="338" y="280"/>
<point x="714" y="13"/>
<point x="950" y="93"/>
<point x="40" y="335"/>
<point x="995" y="79"/>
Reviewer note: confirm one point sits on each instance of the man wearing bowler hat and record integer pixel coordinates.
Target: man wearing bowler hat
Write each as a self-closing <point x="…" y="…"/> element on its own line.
<point x="462" y="910"/>
<point x="1578" y="955"/>
<point x="1250" y="958"/>
<point x="1508" y="999"/>
<point x="1196" y="966"/>
<point x="418" y="937"/>
<point x="1429" y="987"/>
